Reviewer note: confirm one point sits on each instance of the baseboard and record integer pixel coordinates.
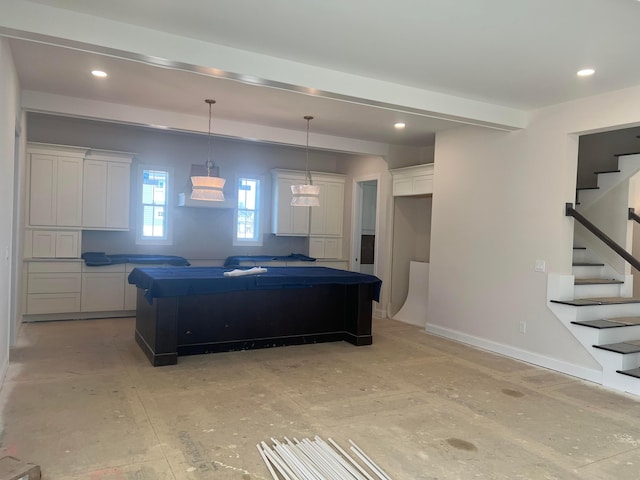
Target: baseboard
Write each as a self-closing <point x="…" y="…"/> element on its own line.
<point x="519" y="354"/>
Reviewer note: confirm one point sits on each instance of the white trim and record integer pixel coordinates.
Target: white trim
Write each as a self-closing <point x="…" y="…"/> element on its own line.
<point x="356" y="207"/>
<point x="589" y="374"/>
<point x="236" y="242"/>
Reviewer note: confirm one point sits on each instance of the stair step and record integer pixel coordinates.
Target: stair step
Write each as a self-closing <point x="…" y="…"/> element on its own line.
<point x="587" y="188"/>
<point x="634" y="372"/>
<point x="597" y="281"/>
<point x="585" y="302"/>
<point x="610" y="322"/>
<point x="579" y="248"/>
<point x="621" y="347"/>
<point x="587" y="264"/>
<point x="606" y="171"/>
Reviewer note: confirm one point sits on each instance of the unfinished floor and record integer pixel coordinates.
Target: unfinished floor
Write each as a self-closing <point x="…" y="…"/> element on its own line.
<point x="82" y="401"/>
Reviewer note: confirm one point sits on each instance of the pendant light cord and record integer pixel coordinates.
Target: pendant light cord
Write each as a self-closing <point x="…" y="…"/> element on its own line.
<point x="308" y="119"/>
<point x="209" y="163"/>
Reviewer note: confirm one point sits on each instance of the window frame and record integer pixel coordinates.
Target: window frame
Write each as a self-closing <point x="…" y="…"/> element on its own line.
<point x="168" y="237"/>
<point x="258" y="241"/>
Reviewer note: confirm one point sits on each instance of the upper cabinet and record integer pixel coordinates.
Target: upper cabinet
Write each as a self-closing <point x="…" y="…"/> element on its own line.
<point x="55" y="185"/>
<point x="322" y="224"/>
<point x="106" y="190"/>
<point x="326" y="219"/>
<point x="285" y="219"/>
<point x="416" y="180"/>
<point x="78" y="187"/>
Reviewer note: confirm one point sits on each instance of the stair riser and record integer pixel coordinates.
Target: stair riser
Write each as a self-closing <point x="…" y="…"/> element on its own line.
<point x="616" y="335"/>
<point x="597" y="312"/>
<point x="600" y="290"/>
<point x="587" y="272"/>
<point x="616" y="361"/>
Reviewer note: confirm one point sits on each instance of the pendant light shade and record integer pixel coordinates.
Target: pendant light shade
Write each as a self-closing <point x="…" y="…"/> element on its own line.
<point x="208" y="188"/>
<point x="307" y="194"/>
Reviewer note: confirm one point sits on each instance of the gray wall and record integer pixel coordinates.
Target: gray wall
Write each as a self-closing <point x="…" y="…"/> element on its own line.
<point x="198" y="233"/>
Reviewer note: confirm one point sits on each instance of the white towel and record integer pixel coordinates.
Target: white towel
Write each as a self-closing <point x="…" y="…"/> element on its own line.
<point x="240" y="273"/>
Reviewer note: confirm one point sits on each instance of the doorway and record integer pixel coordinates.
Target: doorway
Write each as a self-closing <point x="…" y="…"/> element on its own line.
<point x="365" y="208"/>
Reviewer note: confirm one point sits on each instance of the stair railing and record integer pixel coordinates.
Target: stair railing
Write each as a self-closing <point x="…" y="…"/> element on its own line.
<point x="633" y="215"/>
<point x="571" y="212"/>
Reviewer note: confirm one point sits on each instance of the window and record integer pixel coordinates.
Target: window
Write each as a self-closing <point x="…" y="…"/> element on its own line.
<point x="247" y="213"/>
<point x="153" y="211"/>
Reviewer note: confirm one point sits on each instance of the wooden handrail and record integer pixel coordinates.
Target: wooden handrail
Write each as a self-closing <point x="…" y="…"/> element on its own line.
<point x="633" y="215"/>
<point x="571" y="212"/>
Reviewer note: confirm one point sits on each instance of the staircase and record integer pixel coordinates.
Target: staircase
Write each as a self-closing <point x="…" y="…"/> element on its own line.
<point x="596" y="302"/>
<point x="605" y="318"/>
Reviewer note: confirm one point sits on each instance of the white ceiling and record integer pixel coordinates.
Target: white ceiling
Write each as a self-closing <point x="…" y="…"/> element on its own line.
<point x="518" y="54"/>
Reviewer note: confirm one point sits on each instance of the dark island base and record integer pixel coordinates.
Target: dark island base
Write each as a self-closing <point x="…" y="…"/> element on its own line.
<point x="196" y="324"/>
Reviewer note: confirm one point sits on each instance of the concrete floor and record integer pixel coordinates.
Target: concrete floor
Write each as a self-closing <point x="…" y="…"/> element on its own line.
<point x="82" y="401"/>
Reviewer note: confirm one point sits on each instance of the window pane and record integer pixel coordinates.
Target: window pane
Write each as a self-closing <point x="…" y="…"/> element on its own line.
<point x="247" y="212"/>
<point x="154" y="201"/>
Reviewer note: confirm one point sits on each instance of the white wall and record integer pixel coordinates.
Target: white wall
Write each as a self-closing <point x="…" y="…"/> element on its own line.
<point x="9" y="115"/>
<point x="498" y="205"/>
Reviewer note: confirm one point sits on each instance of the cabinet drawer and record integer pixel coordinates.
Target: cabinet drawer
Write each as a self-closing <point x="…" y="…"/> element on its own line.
<point x="53" y="303"/>
<point x="55" y="267"/>
<point x="117" y="268"/>
<point x="54" y="283"/>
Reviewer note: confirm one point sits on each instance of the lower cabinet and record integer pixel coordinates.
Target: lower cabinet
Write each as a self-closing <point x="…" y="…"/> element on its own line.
<point x="325" y="247"/>
<point x="53" y="287"/>
<point x="103" y="288"/>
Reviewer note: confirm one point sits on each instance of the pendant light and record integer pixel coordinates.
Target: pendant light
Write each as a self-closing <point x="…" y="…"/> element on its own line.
<point x="208" y="188"/>
<point x="307" y="195"/>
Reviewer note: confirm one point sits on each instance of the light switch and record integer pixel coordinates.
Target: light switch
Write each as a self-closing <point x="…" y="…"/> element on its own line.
<point x="541" y="266"/>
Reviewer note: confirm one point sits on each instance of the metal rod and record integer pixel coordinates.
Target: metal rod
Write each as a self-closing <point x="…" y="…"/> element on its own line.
<point x="571" y="212"/>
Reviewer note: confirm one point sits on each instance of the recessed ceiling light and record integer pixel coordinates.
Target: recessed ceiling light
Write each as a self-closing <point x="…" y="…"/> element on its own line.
<point x="399" y="125"/>
<point x="585" y="72"/>
<point x="98" y="73"/>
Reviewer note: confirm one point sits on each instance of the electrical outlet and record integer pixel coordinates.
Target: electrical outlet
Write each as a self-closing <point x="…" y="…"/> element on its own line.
<point x="523" y="327"/>
<point x="540" y="266"/>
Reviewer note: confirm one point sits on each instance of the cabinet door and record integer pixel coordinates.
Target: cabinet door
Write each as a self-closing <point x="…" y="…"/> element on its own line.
<point x="67" y="245"/>
<point x="42" y="194"/>
<point x="327" y="218"/>
<point x="117" y="195"/>
<point x="335" y="205"/>
<point x="288" y="220"/>
<point x="94" y="194"/>
<point x="102" y="292"/>
<point x="44" y="244"/>
<point x="69" y="192"/>
<point x="316" y="247"/>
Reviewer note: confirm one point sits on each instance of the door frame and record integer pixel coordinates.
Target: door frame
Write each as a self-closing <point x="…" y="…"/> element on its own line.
<point x="356" y="222"/>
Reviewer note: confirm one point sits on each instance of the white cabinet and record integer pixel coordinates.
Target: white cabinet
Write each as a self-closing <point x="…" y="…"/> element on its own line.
<point x="323" y="224"/>
<point x="55" y="185"/>
<point x="53" y="287"/>
<point x="326" y="219"/>
<point x="325" y="247"/>
<point x="285" y="219"/>
<point x="416" y="180"/>
<point x="53" y="243"/>
<point x="106" y="190"/>
<point x="103" y="288"/>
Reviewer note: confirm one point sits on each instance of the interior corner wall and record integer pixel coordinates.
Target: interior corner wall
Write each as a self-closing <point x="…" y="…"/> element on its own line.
<point x="411" y="239"/>
<point x="498" y="206"/>
<point x="9" y="114"/>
